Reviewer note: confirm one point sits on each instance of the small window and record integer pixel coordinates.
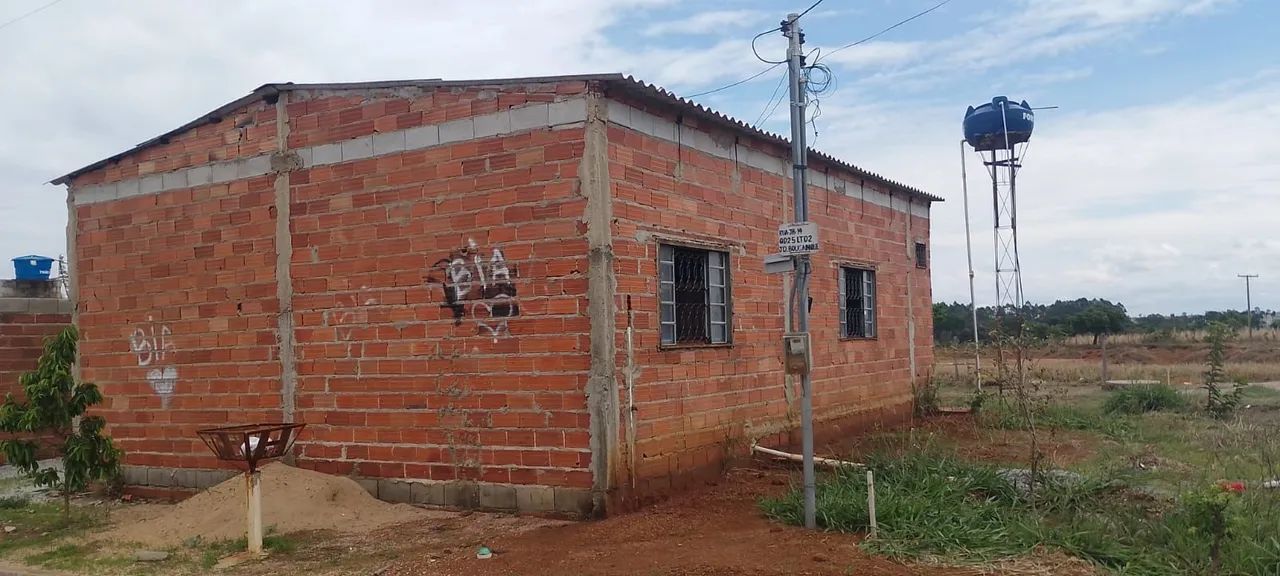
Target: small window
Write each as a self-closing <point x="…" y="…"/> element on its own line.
<point x="922" y="255"/>
<point x="857" y="303"/>
<point x="693" y="295"/>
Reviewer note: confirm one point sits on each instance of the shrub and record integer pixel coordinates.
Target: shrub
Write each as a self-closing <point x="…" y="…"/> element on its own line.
<point x="1144" y="398"/>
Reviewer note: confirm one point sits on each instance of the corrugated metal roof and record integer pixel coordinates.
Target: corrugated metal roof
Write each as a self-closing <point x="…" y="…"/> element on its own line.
<point x="627" y="84"/>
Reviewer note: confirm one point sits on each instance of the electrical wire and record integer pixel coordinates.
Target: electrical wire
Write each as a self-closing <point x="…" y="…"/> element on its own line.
<point x="776" y="89"/>
<point x="40" y="9"/>
<point x="887" y="30"/>
<point x="774" y="64"/>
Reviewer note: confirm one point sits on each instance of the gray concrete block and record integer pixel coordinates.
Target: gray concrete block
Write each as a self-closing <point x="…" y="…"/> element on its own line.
<point x="421" y="137"/>
<point x="128" y="188"/>
<point x="426" y="493"/>
<point x="326" y="154"/>
<point x="207" y="478"/>
<point x="567" y="112"/>
<point x="151" y="184"/>
<point x="664" y="129"/>
<point x="393" y="490"/>
<point x="185" y="479"/>
<point x="388" y="143"/>
<point x="224" y="172"/>
<point x="357" y="149"/>
<point x="461" y="494"/>
<point x="199" y="175"/>
<point x="159" y="477"/>
<point x="492" y="124"/>
<point x="89" y="195"/>
<point x="529" y="117"/>
<point x="174" y="180"/>
<point x="457" y="130"/>
<point x="619" y="113"/>
<point x="535" y="499"/>
<point x="304" y="154"/>
<point x="134" y="475"/>
<point x="643" y="122"/>
<point x="370" y="485"/>
<point x="49" y="306"/>
<point x="497" y="497"/>
<point x="573" y="501"/>
<point x="256" y="166"/>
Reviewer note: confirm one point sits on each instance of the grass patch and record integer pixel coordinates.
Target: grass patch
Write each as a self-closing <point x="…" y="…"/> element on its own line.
<point x="42" y="524"/>
<point x="932" y="505"/>
<point x="1143" y="398"/>
<point x="1057" y="416"/>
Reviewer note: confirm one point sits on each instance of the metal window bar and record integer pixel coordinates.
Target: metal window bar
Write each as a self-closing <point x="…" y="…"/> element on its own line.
<point x="718" y="296"/>
<point x="869" y="303"/>
<point x="842" y="280"/>
<point x="667" y="293"/>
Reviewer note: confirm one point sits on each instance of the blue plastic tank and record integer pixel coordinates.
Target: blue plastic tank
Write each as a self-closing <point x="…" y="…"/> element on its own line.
<point x="984" y="128"/>
<point x="32" y="267"/>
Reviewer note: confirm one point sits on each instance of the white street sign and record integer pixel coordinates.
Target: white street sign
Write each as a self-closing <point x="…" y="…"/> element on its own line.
<point x="798" y="238"/>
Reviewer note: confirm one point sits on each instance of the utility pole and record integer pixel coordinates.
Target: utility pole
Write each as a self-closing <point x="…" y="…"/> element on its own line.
<point x="799" y="160"/>
<point x="1248" y="301"/>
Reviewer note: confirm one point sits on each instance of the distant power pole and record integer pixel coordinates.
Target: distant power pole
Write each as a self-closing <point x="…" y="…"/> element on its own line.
<point x="1248" y="301"/>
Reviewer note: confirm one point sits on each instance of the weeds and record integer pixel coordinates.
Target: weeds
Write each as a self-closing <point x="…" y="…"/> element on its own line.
<point x="1060" y="417"/>
<point x="1142" y="398"/>
<point x="930" y="504"/>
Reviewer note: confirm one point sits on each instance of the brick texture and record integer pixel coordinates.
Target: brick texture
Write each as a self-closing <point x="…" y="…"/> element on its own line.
<point x="698" y="406"/>
<point x="439" y="298"/>
<point x="22" y="337"/>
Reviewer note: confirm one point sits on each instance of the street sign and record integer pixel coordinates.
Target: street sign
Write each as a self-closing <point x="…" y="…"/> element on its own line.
<point x="798" y="238"/>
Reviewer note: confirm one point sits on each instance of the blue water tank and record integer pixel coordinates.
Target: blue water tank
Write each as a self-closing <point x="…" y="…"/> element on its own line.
<point x="984" y="126"/>
<point x="32" y="267"/>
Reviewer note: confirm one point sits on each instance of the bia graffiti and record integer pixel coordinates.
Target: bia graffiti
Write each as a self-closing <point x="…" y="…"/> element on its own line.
<point x="478" y="287"/>
<point x="152" y="346"/>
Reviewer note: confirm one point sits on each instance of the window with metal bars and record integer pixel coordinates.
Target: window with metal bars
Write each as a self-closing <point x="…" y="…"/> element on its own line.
<point x="922" y="255"/>
<point x="857" y="303"/>
<point x="693" y="296"/>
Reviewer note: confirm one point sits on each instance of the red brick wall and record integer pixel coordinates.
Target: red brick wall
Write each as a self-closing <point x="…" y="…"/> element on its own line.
<point x="22" y="337"/>
<point x="396" y="380"/>
<point x="696" y="405"/>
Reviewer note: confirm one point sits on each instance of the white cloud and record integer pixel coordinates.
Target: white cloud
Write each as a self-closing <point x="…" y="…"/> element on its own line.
<point x="1159" y="206"/>
<point x="717" y="21"/>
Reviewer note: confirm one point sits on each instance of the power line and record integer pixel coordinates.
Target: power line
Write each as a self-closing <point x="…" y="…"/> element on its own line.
<point x="770" y="103"/>
<point x="887" y="30"/>
<point x="753" y="49"/>
<point x="31" y="13"/>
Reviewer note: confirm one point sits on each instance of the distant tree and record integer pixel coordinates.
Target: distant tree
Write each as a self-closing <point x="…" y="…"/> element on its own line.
<point x="1099" y="319"/>
<point x="56" y="404"/>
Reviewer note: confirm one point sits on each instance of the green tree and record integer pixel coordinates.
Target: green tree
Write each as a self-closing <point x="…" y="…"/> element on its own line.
<point x="55" y="404"/>
<point x="1099" y="319"/>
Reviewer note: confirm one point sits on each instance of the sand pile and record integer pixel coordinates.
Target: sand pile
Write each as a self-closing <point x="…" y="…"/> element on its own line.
<point x="293" y="499"/>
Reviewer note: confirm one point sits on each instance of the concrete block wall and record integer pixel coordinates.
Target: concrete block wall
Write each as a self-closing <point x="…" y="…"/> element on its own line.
<point x="685" y="183"/>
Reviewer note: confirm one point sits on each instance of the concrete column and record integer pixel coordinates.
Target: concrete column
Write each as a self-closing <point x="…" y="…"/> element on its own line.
<point x="602" y="385"/>
<point x="282" y="163"/>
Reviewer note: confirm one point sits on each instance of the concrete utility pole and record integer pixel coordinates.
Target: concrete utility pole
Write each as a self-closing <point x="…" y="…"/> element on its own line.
<point x="1248" y="301"/>
<point x="799" y="157"/>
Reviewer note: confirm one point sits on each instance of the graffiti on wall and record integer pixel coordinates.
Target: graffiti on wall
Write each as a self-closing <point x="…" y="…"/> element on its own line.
<point x="152" y="346"/>
<point x="478" y="287"/>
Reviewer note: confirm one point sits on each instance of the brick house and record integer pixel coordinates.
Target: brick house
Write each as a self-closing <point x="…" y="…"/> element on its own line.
<point x="536" y="294"/>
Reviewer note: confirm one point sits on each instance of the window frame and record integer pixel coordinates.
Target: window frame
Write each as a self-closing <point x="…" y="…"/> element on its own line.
<point x="707" y="250"/>
<point x="841" y="292"/>
<point x="922" y="255"/>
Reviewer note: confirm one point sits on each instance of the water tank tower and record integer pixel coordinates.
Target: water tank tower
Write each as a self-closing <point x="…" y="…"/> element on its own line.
<point x="999" y="132"/>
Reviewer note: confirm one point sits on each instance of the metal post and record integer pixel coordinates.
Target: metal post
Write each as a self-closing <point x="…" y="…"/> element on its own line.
<point x="799" y="157"/>
<point x="968" y="249"/>
<point x="1248" y="301"/>
<point x="253" y="489"/>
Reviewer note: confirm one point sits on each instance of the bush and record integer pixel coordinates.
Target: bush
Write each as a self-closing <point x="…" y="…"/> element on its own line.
<point x="1144" y="398"/>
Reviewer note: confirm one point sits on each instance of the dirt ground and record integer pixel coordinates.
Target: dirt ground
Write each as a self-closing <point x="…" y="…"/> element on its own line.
<point x="716" y="531"/>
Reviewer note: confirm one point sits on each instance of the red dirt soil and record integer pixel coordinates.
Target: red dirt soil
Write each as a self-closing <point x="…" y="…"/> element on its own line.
<point x="717" y="530"/>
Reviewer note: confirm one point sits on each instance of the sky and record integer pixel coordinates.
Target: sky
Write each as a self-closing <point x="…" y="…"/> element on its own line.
<point x="1154" y="183"/>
